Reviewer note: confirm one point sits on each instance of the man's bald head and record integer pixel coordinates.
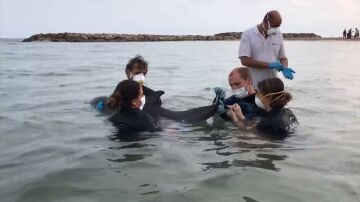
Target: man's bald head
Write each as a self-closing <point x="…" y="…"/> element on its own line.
<point x="274" y="18"/>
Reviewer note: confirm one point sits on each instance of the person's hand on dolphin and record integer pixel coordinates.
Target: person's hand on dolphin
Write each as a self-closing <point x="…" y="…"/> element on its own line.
<point x="288" y="73"/>
<point x="100" y="106"/>
<point x="221" y="108"/>
<point x="220" y="93"/>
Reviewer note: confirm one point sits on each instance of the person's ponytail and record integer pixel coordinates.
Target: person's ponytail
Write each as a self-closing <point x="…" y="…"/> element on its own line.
<point x="287" y="97"/>
<point x="273" y="89"/>
<point x="114" y="101"/>
<point x="281" y="100"/>
<point x="125" y="92"/>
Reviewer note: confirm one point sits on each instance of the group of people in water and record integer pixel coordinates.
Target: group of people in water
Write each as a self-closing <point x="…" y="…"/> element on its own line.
<point x="348" y="34"/>
<point x="258" y="101"/>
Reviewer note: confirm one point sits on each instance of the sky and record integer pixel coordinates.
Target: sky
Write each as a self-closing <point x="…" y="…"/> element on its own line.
<point x="23" y="18"/>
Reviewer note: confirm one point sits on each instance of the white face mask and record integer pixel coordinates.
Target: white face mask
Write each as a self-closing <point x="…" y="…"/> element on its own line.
<point x="139" y="78"/>
<point x="143" y="100"/>
<point x="259" y="103"/>
<point x="272" y="31"/>
<point x="240" y="92"/>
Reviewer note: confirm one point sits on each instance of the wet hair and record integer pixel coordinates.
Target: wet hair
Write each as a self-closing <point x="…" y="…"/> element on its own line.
<point x="274" y="88"/>
<point x="243" y="72"/>
<point x="139" y="62"/>
<point x="125" y="92"/>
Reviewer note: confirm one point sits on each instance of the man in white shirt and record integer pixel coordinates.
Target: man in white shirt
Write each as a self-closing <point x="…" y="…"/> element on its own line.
<point x="262" y="49"/>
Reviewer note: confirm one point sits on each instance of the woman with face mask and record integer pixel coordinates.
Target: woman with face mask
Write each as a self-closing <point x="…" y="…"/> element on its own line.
<point x="136" y="70"/>
<point x="126" y="101"/>
<point x="243" y="94"/>
<point x="279" y="121"/>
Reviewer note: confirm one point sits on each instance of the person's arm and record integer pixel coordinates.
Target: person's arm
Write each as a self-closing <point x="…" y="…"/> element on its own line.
<point x="282" y="55"/>
<point x="230" y="100"/>
<point x="284" y="61"/>
<point x="245" y="53"/>
<point x="249" y="62"/>
<point x="236" y="116"/>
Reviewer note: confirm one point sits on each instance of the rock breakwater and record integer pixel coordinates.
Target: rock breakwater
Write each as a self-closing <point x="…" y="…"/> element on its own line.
<point x="84" y="37"/>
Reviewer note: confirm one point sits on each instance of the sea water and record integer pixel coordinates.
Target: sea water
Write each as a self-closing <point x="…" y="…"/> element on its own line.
<point x="56" y="147"/>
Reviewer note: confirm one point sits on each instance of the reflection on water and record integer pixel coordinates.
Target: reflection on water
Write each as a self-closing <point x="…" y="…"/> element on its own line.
<point x="267" y="163"/>
<point x="133" y="145"/>
<point x="129" y="136"/>
<point x="130" y="157"/>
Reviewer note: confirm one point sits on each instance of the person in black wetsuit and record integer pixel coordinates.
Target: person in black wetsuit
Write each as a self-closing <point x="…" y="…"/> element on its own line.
<point x="136" y="70"/>
<point x="243" y="94"/>
<point x="126" y="101"/>
<point x="279" y="122"/>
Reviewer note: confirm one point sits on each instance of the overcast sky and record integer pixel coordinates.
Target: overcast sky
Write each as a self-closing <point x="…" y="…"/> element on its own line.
<point x="22" y="18"/>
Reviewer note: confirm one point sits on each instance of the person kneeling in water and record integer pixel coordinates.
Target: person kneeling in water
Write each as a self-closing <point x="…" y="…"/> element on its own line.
<point x="279" y="122"/>
<point x="243" y="94"/>
<point x="137" y="69"/>
<point x="126" y="101"/>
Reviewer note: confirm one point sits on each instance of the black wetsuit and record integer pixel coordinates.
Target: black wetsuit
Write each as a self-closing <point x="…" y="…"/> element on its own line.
<point x="278" y="123"/>
<point x="133" y="120"/>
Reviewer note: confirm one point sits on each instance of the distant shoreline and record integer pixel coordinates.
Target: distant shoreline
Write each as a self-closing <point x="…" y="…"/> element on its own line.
<point x="323" y="39"/>
<point x="106" y="37"/>
<point x="84" y="37"/>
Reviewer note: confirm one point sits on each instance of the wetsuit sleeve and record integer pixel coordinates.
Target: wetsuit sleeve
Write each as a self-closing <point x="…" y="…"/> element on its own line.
<point x="227" y="102"/>
<point x="230" y="100"/>
<point x="247" y="108"/>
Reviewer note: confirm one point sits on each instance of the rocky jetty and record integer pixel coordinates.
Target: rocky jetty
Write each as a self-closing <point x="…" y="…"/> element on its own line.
<point x="82" y="37"/>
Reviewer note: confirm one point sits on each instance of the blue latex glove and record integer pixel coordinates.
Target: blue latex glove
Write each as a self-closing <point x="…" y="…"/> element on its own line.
<point x="100" y="105"/>
<point x="220" y="93"/>
<point x="276" y="65"/>
<point x="288" y="73"/>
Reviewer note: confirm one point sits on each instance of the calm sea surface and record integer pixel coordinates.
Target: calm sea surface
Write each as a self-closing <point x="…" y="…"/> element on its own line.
<point x="55" y="147"/>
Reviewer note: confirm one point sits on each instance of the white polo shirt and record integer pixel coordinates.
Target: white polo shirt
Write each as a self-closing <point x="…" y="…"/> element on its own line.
<point x="254" y="45"/>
